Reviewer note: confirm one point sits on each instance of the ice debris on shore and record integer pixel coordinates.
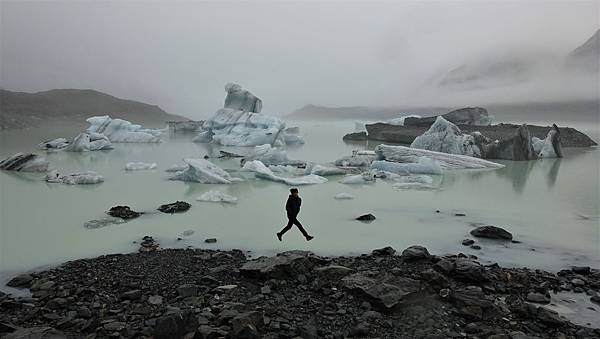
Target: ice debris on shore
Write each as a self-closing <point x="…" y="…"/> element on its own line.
<point x="25" y="162"/>
<point x="217" y="196"/>
<point x="85" y="142"/>
<point x="203" y="171"/>
<point x="119" y="130"/>
<point x="80" y="178"/>
<point x="263" y="172"/>
<point x="240" y="123"/>
<point x="139" y="166"/>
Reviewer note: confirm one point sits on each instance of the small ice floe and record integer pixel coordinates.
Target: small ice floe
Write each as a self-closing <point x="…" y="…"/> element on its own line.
<point x="138" y="166"/>
<point x="323" y="170"/>
<point x="25" y="162"/>
<point x="413" y="186"/>
<point x="357" y="159"/>
<point x="81" y="178"/>
<point x="85" y="142"/>
<point x="549" y="147"/>
<point x="177" y="168"/>
<point x="204" y="172"/>
<point x="103" y="222"/>
<point x="217" y="196"/>
<point x="358" y="179"/>
<point x="268" y="155"/>
<point x="119" y="130"/>
<point x="423" y="166"/>
<point x="343" y="196"/>
<point x="54" y="144"/>
<point x="263" y="172"/>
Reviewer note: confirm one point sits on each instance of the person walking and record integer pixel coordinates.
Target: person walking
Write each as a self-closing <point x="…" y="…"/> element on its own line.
<point x="292" y="207"/>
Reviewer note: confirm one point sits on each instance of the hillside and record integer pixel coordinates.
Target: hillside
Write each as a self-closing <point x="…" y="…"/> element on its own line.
<point x="59" y="106"/>
<point x="360" y="112"/>
<point x="586" y="58"/>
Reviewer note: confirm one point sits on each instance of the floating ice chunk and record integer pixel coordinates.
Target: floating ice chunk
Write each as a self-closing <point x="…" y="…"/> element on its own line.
<point x="268" y="155"/>
<point x="203" y="137"/>
<point x="400" y="121"/>
<point x="292" y="139"/>
<point x="217" y="196"/>
<point x="418" y="179"/>
<point x="404" y="154"/>
<point x="241" y="99"/>
<point x="138" y="166"/>
<point x="423" y="166"/>
<point x="343" y="196"/>
<point x="176" y="168"/>
<point x="356" y="160"/>
<point x="82" y="178"/>
<point x="323" y="170"/>
<point x="292" y="130"/>
<point x="25" y="162"/>
<point x="444" y="136"/>
<point x="263" y="172"/>
<point x="231" y="127"/>
<point x="358" y="179"/>
<point x="54" y="144"/>
<point x="287" y="169"/>
<point x="203" y="171"/>
<point x="549" y="147"/>
<point x="118" y="130"/>
<point x="85" y="142"/>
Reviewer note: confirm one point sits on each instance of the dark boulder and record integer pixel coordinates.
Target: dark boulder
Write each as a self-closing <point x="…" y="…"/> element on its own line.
<point x="383" y="290"/>
<point x="366" y="217"/>
<point x="282" y="266"/>
<point x="23" y="280"/>
<point x="388" y="250"/>
<point x="175" y="325"/>
<point x="176" y="207"/>
<point x="491" y="232"/>
<point x="123" y="212"/>
<point x="415" y="253"/>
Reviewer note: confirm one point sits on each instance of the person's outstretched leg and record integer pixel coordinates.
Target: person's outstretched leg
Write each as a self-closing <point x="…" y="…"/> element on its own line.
<point x="285" y="229"/>
<point x="304" y="233"/>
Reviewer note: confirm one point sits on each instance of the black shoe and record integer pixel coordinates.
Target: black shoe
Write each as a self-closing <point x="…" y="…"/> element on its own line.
<point x="309" y="238"/>
<point x="279" y="236"/>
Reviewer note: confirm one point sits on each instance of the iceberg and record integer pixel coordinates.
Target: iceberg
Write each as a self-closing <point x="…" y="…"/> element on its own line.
<point x="444" y="136"/>
<point x="323" y="170"/>
<point x="357" y="159"/>
<point x="403" y="154"/>
<point x="138" y="166"/>
<point x="268" y="155"/>
<point x="204" y="172"/>
<point x="292" y="139"/>
<point x="549" y="147"/>
<point x="82" y="178"/>
<point x="54" y="144"/>
<point x="359" y="179"/>
<point x="85" y="142"/>
<point x="423" y="166"/>
<point x="25" y="162"/>
<point x="263" y="172"/>
<point x="343" y="196"/>
<point x="118" y="130"/>
<point x="414" y="179"/>
<point x="217" y="196"/>
<point x="400" y="121"/>
<point x="176" y="168"/>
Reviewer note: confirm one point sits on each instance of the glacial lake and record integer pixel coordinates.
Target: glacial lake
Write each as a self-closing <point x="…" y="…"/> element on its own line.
<point x="551" y="206"/>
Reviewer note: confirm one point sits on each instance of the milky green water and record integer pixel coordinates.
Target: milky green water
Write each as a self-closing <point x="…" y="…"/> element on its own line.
<point x="550" y="205"/>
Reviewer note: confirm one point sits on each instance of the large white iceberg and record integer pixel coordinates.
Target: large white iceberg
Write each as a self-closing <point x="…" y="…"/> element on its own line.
<point x="263" y="172"/>
<point x="240" y="123"/>
<point x="203" y="171"/>
<point x="549" y="147"/>
<point x="217" y="196"/>
<point x="444" y="136"/>
<point x="423" y="166"/>
<point x="404" y="154"/>
<point x="25" y="162"/>
<point x="82" y="178"/>
<point x="85" y="142"/>
<point x="118" y="130"/>
<point x="139" y="166"/>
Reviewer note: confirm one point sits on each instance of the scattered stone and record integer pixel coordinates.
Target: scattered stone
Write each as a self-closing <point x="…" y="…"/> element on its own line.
<point x="175" y="325"/>
<point x="176" y="207"/>
<point x="388" y="250"/>
<point x="384" y="290"/>
<point x="187" y="290"/>
<point x="333" y="272"/>
<point x="366" y="218"/>
<point x="23" y="280"/>
<point x="475" y="247"/>
<point x="468" y="242"/>
<point x="491" y="232"/>
<point x="584" y="270"/>
<point x="123" y="212"/>
<point x="41" y="332"/>
<point x="578" y="282"/>
<point x="539" y="298"/>
<point x="460" y="215"/>
<point x="155" y="300"/>
<point x="210" y="240"/>
<point x="415" y="253"/>
<point x="148" y="244"/>
<point x="282" y="266"/>
<point x="131" y="295"/>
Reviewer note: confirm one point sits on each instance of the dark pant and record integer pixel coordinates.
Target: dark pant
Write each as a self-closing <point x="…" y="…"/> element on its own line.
<point x="293" y="221"/>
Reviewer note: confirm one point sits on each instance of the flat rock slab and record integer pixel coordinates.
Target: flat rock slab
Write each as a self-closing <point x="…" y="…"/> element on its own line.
<point x="282" y="266"/>
<point x="383" y="290"/>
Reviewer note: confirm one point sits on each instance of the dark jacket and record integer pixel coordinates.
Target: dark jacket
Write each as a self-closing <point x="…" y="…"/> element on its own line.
<point x="293" y="206"/>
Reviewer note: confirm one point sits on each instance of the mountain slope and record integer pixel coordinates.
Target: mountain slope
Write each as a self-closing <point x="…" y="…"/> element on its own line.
<point x="586" y="58"/>
<point x="21" y="110"/>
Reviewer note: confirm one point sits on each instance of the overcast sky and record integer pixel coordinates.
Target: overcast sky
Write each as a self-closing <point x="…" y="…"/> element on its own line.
<point x="179" y="55"/>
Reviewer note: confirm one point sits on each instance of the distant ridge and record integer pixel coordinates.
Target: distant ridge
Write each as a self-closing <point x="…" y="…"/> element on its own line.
<point x="22" y="110"/>
<point x="360" y="112"/>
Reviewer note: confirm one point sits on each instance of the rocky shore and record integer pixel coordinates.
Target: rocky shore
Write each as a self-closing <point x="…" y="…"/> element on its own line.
<point x="570" y="137"/>
<point x="195" y="293"/>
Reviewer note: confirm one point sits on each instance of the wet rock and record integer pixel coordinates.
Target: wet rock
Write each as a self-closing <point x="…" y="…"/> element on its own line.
<point x="123" y="212"/>
<point x="57" y="303"/>
<point x="176" y="207"/>
<point x="539" y="298"/>
<point x="469" y="270"/>
<point x="23" y="280"/>
<point x="366" y="218"/>
<point x="584" y="270"/>
<point x="491" y="232"/>
<point x="209" y="332"/>
<point x="475" y="247"/>
<point x="415" y="253"/>
<point x="247" y="325"/>
<point x="42" y="332"/>
<point x="578" y="282"/>
<point x="445" y="266"/>
<point x="175" y="325"/>
<point x="210" y="240"/>
<point x="384" y="290"/>
<point x="115" y="326"/>
<point x="282" y="266"/>
<point x="433" y="278"/>
<point x="468" y="242"/>
<point x="595" y="299"/>
<point x="471" y="302"/>
<point x="460" y="215"/>
<point x="388" y="250"/>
